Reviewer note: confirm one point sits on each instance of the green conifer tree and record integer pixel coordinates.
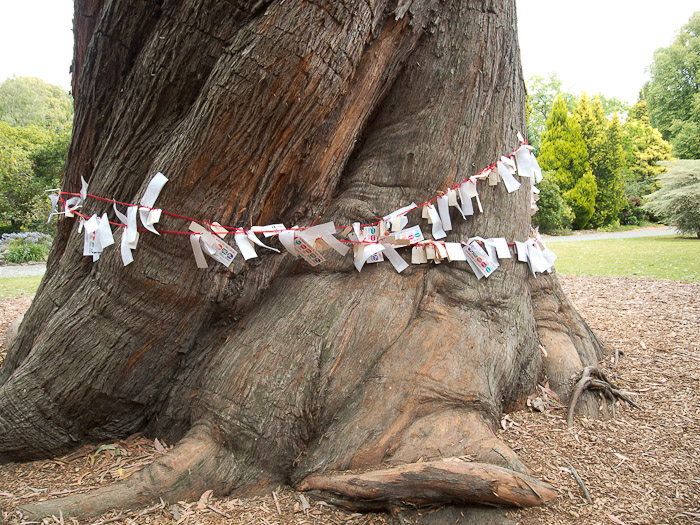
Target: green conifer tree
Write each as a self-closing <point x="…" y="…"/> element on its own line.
<point x="564" y="152"/>
<point x="607" y="169"/>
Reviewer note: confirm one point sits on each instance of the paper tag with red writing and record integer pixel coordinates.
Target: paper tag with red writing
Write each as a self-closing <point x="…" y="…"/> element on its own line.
<point x="480" y="258"/>
<point x="370" y="234"/>
<point x="308" y="252"/>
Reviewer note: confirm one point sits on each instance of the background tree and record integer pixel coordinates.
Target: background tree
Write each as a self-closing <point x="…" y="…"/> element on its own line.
<point x="677" y="200"/>
<point x="28" y="101"/>
<point x="541" y="96"/>
<point x="607" y="170"/>
<point x="553" y="213"/>
<point x="31" y="160"/>
<point x="673" y="93"/>
<point x="644" y="149"/>
<point x="278" y="372"/>
<point x="563" y="151"/>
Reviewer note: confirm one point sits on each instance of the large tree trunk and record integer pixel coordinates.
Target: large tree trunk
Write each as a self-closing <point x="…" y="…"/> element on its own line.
<point x="283" y="111"/>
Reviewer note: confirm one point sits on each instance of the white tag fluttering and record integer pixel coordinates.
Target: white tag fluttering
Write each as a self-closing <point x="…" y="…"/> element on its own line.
<point x="98" y="235"/>
<point x="254" y="239"/>
<point x="364" y="252"/>
<point x="397" y="220"/>
<point x="205" y="241"/>
<point x="506" y="169"/>
<point x="54" y="203"/>
<point x="394" y="258"/>
<point x="478" y="259"/>
<point x="444" y="211"/>
<point x="130" y="234"/>
<point x="527" y="163"/>
<point x="438" y="232"/>
<point x="148" y="218"/>
<point x="75" y="202"/>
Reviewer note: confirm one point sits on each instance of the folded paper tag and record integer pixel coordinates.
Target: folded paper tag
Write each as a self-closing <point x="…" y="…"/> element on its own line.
<point x="443" y="206"/>
<point x="413" y="235"/>
<point x="213" y="245"/>
<point x="243" y="242"/>
<point x="287" y="240"/>
<point x="395" y="259"/>
<point x="535" y="258"/>
<point x="527" y="163"/>
<point x="418" y="255"/>
<point x="254" y="239"/>
<point x="370" y="235"/>
<point x="270" y="230"/>
<point x="149" y="199"/>
<point x="501" y="246"/>
<point x="480" y="258"/>
<point x="307" y="251"/>
<point x="455" y="252"/>
<point x="438" y="232"/>
<point x="397" y="219"/>
<point x="506" y="169"/>
<point x="153" y="216"/>
<point x="218" y="229"/>
<point x="334" y="243"/>
<point x="364" y="252"/>
<point x="521" y="248"/>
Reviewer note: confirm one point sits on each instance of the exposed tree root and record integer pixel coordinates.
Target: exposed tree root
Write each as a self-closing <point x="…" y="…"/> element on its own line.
<point x="184" y="472"/>
<point x="593" y="378"/>
<point x="429" y="483"/>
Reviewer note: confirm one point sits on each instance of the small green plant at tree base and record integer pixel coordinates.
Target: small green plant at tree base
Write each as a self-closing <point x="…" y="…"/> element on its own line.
<point x="25" y="247"/>
<point x="677" y="201"/>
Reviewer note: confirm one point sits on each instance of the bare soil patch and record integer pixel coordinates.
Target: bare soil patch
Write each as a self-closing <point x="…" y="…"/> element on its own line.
<point x="642" y="466"/>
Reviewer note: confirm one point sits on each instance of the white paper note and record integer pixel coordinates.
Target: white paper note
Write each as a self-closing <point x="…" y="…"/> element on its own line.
<point x="104" y="233"/>
<point x="368" y="250"/>
<point x="149" y="199"/>
<point x="195" y="242"/>
<point x="501" y="246"/>
<point x="91" y="224"/>
<point x="444" y="211"/>
<point x="370" y="234"/>
<point x="253" y="238"/>
<point x="334" y="243"/>
<point x="308" y="252"/>
<point x="270" y="230"/>
<point x="506" y="173"/>
<point x="480" y="258"/>
<point x="395" y="259"/>
<point x="535" y="258"/>
<point x="400" y="216"/>
<point x="287" y="240"/>
<point x="314" y="232"/>
<point x="455" y="252"/>
<point x="413" y="234"/>
<point x="438" y="232"/>
<point x="247" y="250"/>
<point x="521" y="248"/>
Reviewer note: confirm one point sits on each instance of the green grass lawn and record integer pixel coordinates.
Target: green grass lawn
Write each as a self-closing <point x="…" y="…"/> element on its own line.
<point x="11" y="287"/>
<point x="675" y="258"/>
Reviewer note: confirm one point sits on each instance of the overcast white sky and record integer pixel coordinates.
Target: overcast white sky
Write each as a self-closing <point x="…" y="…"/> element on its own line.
<point x="597" y="46"/>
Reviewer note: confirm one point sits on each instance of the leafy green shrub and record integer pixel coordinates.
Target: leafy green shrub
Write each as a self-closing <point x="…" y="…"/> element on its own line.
<point x="581" y="198"/>
<point x="677" y="201"/>
<point x="553" y="213"/>
<point x="25" y="247"/>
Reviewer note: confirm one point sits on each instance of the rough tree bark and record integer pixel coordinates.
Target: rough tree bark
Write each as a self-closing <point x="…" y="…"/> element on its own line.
<point x="277" y="372"/>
